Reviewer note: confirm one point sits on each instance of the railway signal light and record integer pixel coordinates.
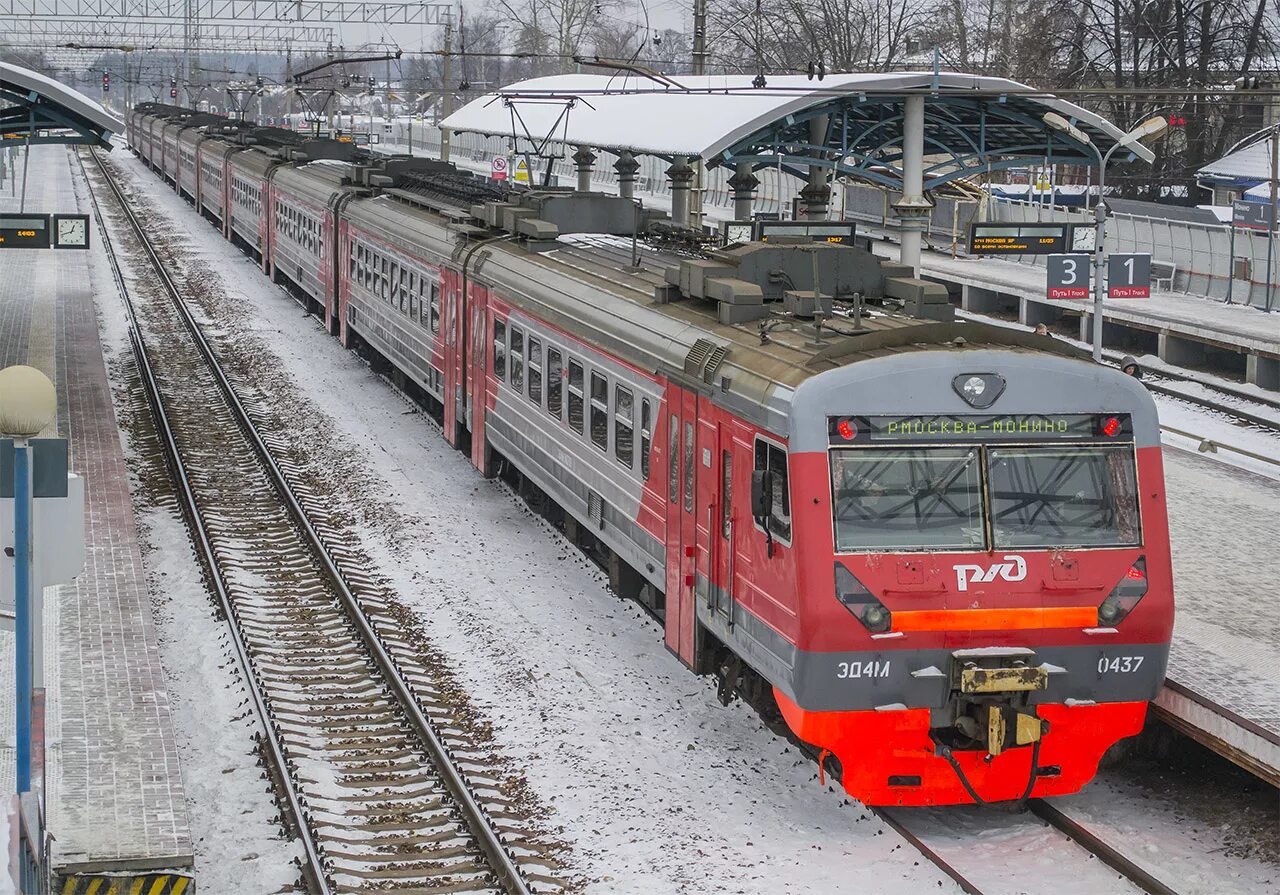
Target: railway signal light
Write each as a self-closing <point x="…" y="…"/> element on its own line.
<point x="173" y="88"/>
<point x="1177" y="121"/>
<point x="106" y="82"/>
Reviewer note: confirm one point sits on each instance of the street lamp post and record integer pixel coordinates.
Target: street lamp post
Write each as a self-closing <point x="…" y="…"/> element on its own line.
<point x="1149" y="128"/>
<point x="28" y="402"/>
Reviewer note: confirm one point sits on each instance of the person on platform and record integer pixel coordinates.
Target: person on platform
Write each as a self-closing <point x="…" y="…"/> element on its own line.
<point x="1129" y="367"/>
<point x="1042" y="330"/>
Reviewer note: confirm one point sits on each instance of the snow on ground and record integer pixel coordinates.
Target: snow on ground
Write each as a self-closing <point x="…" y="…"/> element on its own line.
<point x="659" y="787"/>
<point x="237" y="840"/>
<point x="1181" y="834"/>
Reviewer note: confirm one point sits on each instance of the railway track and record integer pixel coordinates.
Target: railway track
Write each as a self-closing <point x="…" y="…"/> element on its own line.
<point x="375" y="773"/>
<point x="933" y="833"/>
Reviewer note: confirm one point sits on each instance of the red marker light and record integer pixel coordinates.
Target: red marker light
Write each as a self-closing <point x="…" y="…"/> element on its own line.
<point x="1111" y="427"/>
<point x="846" y="430"/>
<point x="1135" y="573"/>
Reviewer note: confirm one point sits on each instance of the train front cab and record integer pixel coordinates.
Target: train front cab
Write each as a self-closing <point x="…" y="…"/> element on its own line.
<point x="984" y="599"/>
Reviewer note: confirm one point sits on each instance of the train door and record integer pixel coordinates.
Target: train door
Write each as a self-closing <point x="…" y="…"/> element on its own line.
<point x="452" y="327"/>
<point x="682" y="524"/>
<point x="451" y="379"/>
<point x="707" y="524"/>
<point x="477" y="383"/>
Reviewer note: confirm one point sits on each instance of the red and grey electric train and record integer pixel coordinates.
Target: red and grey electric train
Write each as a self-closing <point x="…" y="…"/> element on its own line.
<point x="940" y="546"/>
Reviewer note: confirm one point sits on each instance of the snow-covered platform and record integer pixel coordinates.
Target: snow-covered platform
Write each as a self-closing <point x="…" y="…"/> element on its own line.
<point x="1224" y="666"/>
<point x="116" y="802"/>
<point x="1183" y="330"/>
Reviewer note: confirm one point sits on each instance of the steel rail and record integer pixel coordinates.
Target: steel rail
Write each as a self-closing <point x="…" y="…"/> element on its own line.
<point x="314" y="865"/>
<point x="504" y="865"/>
<point x="1106" y="853"/>
<point x="887" y="815"/>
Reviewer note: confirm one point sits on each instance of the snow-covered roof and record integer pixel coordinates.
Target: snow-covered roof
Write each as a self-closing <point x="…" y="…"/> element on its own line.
<point x="708" y="116"/>
<point x="1249" y="163"/>
<point x="57" y="105"/>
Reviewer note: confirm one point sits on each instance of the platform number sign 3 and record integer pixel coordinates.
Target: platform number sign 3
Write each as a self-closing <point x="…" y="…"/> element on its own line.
<point x="1067" y="276"/>
<point x="1128" y="276"/>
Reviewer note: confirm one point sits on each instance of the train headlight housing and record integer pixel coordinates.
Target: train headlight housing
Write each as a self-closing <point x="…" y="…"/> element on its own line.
<point x="861" y="603"/>
<point x="1125" y="595"/>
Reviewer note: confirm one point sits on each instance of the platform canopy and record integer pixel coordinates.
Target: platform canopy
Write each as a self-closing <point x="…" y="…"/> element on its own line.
<point x="850" y="123"/>
<point x="46" y="111"/>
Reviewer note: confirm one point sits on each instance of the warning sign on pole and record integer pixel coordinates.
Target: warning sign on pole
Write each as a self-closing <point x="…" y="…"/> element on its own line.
<point x="522" y="171"/>
<point x="498" y="169"/>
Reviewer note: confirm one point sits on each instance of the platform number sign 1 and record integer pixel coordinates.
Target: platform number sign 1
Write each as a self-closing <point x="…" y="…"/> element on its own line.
<point x="1067" y="276"/>
<point x="1128" y="276"/>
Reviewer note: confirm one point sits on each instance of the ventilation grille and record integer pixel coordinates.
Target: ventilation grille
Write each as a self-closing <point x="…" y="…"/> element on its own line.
<point x="713" y="362"/>
<point x="595" y="508"/>
<point x="704" y="358"/>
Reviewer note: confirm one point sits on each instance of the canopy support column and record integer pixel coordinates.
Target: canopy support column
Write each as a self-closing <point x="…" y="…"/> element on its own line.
<point x="912" y="207"/>
<point x="584" y="158"/>
<point x="816" y="193"/>
<point x="627" y="168"/>
<point x="744" y="185"/>
<point x="681" y="181"/>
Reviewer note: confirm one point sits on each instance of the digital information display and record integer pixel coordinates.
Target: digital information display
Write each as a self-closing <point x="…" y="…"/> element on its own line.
<point x="833" y="232"/>
<point x="1019" y="239"/>
<point x="949" y="429"/>
<point x="836" y="233"/>
<point x="24" y="231"/>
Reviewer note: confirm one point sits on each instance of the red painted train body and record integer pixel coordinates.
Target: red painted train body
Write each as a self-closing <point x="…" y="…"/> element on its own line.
<point x="940" y="547"/>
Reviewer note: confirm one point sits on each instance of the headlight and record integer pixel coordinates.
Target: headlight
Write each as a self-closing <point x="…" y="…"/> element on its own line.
<point x="1126" y="594"/>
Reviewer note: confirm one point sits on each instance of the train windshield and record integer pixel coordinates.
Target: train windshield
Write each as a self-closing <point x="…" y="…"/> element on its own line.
<point x="912" y="498"/>
<point x="1063" y="497"/>
<point x="984" y="497"/>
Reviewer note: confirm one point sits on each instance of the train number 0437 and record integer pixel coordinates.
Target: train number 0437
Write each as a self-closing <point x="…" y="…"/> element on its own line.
<point x="1121" y="664"/>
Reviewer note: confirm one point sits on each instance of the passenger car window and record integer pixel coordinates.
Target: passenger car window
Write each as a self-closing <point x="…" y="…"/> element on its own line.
<point x="575" y="396"/>
<point x="555" y="382"/>
<point x="599" y="411"/>
<point x="646" y="437"/>
<point x="517" y="359"/>
<point x="623" y="426"/>
<point x="535" y="370"/>
<point x="500" y="348"/>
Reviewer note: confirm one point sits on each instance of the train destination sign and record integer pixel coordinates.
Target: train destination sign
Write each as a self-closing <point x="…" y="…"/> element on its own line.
<point x="1019" y="239"/>
<point x="951" y="428"/>
<point x="24" y="231"/>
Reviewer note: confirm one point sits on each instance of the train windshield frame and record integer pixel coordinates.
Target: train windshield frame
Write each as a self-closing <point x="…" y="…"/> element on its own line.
<point x="989" y="496"/>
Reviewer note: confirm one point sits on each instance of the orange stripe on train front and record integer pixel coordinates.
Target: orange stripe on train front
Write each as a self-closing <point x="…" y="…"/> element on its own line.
<point x="995" y="619"/>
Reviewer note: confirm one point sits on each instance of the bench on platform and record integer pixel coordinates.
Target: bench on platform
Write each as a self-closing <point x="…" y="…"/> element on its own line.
<point x="1163" y="272"/>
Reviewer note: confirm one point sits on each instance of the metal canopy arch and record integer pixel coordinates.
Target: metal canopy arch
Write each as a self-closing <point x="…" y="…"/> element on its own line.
<point x="41" y="111"/>
<point x="963" y="136"/>
<point x="972" y="124"/>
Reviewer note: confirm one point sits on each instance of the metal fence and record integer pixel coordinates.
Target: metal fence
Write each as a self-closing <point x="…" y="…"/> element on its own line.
<point x="1201" y="255"/>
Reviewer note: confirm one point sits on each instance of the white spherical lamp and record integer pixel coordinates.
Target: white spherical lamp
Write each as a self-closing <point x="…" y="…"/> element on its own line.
<point x="28" y="402"/>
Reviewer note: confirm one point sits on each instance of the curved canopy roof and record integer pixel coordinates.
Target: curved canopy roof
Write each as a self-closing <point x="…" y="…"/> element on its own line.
<point x="51" y="112"/>
<point x="972" y="123"/>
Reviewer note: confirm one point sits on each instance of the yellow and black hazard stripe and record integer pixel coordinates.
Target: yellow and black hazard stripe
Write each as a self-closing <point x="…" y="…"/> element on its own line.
<point x="128" y="884"/>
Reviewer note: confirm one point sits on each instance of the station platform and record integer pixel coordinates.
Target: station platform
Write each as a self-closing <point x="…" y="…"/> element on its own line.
<point x="1182" y="330"/>
<point x="1222" y="688"/>
<point x="116" y="805"/>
